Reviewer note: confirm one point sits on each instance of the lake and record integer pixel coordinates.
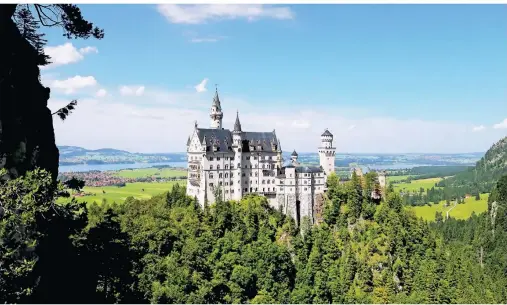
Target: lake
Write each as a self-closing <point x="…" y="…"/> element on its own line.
<point x="115" y="167"/>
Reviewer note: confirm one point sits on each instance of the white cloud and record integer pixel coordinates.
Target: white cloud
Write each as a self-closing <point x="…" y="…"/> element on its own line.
<point x="201" y="87"/>
<point x="478" y="128"/>
<point x="196" y="14"/>
<point x="101" y="93"/>
<point x="298" y="127"/>
<point x="132" y="90"/>
<point x="201" y="40"/>
<point x="73" y="84"/>
<point x="66" y="54"/>
<point x="87" y="50"/>
<point x="301" y="124"/>
<point x="501" y="125"/>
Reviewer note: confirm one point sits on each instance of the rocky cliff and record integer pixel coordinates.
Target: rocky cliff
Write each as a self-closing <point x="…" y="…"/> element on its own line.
<point x="27" y="137"/>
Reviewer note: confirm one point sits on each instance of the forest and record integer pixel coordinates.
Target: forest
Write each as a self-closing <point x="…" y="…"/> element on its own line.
<point x="169" y="250"/>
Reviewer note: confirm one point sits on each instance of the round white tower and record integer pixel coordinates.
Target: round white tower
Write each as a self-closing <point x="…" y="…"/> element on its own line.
<point x="216" y="114"/>
<point x="327" y="152"/>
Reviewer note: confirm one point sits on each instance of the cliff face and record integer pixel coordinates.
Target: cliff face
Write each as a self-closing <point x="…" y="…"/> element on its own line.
<point x="27" y="137"/>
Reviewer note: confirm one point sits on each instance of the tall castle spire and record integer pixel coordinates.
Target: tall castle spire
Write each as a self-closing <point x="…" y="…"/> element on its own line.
<point x="237" y="124"/>
<point x="216" y="114"/>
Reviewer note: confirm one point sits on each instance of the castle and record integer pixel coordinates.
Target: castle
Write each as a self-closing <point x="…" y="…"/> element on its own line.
<point x="243" y="162"/>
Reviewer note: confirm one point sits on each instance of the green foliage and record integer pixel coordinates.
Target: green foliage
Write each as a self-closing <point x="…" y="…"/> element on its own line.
<point x="168" y="250"/>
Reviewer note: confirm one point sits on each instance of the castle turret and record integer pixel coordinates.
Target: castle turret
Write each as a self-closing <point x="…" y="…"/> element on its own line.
<point x="327" y="152"/>
<point x="237" y="146"/>
<point x="216" y="114"/>
<point x="294" y="157"/>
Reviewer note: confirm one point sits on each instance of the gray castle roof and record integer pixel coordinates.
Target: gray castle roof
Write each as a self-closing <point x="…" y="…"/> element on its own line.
<point x="327" y="133"/>
<point x="309" y="169"/>
<point x="294" y="153"/>
<point x="237" y="124"/>
<point x="216" y="101"/>
<point x="223" y="139"/>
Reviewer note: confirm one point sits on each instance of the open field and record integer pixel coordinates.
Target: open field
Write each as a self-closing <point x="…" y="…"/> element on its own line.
<point x="119" y="194"/>
<point x="396" y="178"/>
<point x="415" y="185"/>
<point x="149" y="172"/>
<point x="461" y="211"/>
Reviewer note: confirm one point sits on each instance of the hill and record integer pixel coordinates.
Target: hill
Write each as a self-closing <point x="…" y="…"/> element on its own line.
<point x="71" y="155"/>
<point x="484" y="175"/>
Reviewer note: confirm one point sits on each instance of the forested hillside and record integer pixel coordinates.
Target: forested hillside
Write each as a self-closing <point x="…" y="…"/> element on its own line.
<point x="484" y="175"/>
<point x="169" y="250"/>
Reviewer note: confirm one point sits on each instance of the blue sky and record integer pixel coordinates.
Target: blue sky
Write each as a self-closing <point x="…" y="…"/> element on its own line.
<point x="383" y="78"/>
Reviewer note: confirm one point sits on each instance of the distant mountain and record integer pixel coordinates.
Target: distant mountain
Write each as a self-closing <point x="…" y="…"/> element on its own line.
<point x="71" y="155"/>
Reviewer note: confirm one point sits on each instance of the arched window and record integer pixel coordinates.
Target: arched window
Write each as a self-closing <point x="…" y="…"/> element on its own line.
<point x="211" y="166"/>
<point x="226" y="166"/>
<point x="220" y="175"/>
<point x="226" y="175"/>
<point x="239" y="165"/>
<point x="218" y="166"/>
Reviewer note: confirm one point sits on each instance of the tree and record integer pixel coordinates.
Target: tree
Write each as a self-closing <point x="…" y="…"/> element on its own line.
<point x="74" y="184"/>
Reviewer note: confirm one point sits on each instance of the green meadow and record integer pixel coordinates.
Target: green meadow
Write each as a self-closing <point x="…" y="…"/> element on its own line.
<point x="119" y="194"/>
<point x="415" y="185"/>
<point x="396" y="178"/>
<point x="461" y="211"/>
<point x="149" y="172"/>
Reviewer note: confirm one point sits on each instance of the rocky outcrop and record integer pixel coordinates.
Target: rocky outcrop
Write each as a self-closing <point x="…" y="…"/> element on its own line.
<point x="27" y="137"/>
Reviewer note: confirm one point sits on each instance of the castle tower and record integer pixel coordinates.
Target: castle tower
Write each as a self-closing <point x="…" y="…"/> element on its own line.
<point x="216" y="114"/>
<point x="382" y="179"/>
<point x="294" y="157"/>
<point x="237" y="143"/>
<point x="327" y="152"/>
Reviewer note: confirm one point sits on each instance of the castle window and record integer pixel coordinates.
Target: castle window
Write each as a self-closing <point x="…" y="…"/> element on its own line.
<point x="218" y="158"/>
<point x="263" y="181"/>
<point x="290" y="175"/>
<point x="273" y="181"/>
<point x="211" y="175"/>
<point x="226" y="183"/>
<point x="226" y="166"/>
<point x="305" y="188"/>
<point x="256" y="174"/>
<point x="243" y="174"/>
<point x="305" y="182"/>
<point x="211" y="166"/>
<point x="291" y="182"/>
<point x="256" y="189"/>
<point x="220" y="183"/>
<point x="220" y="175"/>
<point x="227" y="191"/>
<point x="263" y="166"/>
<point x="281" y="189"/>
<point x="255" y="158"/>
<point x="263" y="189"/>
<point x="239" y="165"/>
<point x="211" y="184"/>
<point x="232" y="175"/>
<point x="247" y="158"/>
<point x="269" y="181"/>
<point x="246" y="189"/>
<point x="211" y="158"/>
<point x="218" y="166"/>
<point x="232" y="166"/>
<point x="250" y="174"/>
<point x="232" y="191"/>
<point x="226" y="175"/>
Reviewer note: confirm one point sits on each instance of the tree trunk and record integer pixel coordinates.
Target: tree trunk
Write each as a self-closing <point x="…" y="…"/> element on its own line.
<point x="27" y="137"/>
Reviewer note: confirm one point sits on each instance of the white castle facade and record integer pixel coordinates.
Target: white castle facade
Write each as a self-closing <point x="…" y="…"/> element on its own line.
<point x="243" y="162"/>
